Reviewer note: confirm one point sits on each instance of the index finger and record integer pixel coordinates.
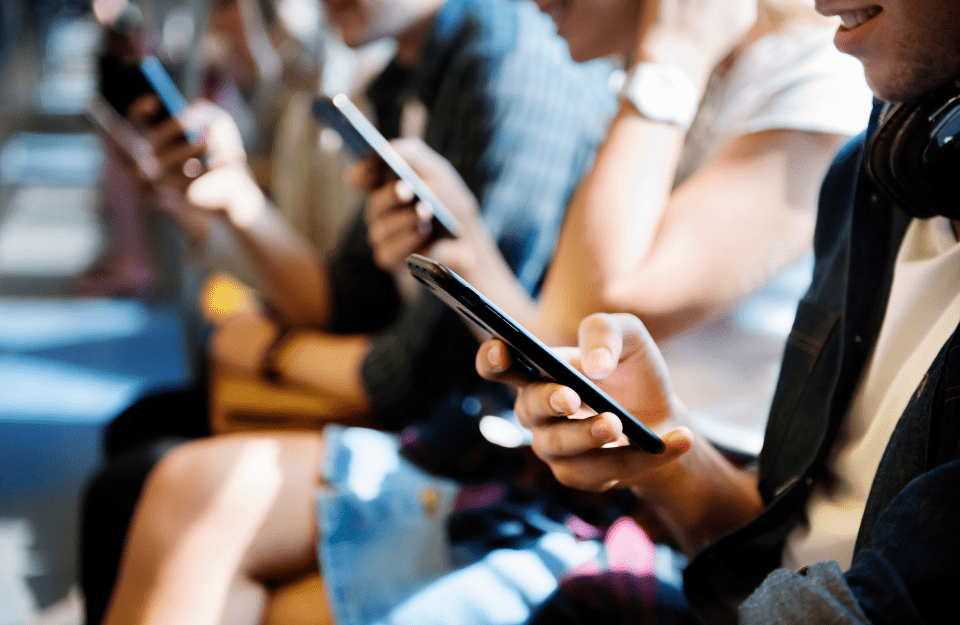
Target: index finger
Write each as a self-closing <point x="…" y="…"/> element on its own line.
<point x="606" y="339"/>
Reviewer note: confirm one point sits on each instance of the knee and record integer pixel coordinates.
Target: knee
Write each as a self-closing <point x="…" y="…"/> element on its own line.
<point x="186" y="481"/>
<point x="226" y="475"/>
<point x="178" y="482"/>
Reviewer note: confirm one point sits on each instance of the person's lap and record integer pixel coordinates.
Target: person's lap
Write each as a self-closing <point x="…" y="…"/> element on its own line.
<point x="252" y="507"/>
<point x="218" y="510"/>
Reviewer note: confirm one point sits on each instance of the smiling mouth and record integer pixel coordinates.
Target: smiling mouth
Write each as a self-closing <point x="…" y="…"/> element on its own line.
<point x="852" y="19"/>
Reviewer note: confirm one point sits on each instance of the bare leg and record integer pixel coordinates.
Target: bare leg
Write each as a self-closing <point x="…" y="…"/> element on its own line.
<point x="218" y="517"/>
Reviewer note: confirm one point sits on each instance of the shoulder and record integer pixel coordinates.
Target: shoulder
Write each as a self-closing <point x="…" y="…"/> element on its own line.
<point x="795" y="49"/>
<point x="792" y="78"/>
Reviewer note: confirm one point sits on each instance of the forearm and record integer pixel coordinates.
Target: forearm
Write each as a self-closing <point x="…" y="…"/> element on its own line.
<point x="295" y="282"/>
<point x="329" y="367"/>
<point x="611" y="221"/>
<point x="724" y="233"/>
<point x="702" y="496"/>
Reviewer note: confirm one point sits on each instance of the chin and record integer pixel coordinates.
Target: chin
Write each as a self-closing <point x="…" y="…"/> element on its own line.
<point x="904" y="85"/>
<point x="580" y="57"/>
<point x="582" y="54"/>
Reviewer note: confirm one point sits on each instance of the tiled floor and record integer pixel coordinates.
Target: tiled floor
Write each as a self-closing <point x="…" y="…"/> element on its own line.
<point x="67" y="365"/>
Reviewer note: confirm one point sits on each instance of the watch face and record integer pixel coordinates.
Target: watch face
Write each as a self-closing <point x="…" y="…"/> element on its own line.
<point x="662" y="93"/>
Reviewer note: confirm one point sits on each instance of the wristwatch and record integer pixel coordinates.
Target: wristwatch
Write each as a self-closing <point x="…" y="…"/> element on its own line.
<point x="662" y="93"/>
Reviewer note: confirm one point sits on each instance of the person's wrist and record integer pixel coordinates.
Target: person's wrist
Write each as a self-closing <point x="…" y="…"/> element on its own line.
<point x="270" y="361"/>
<point x="246" y="202"/>
<point x="661" y="92"/>
<point x="674" y="51"/>
<point x="670" y="477"/>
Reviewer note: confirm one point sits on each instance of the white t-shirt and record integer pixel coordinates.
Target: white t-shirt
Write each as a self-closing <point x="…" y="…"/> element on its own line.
<point x="726" y="370"/>
<point x="922" y="313"/>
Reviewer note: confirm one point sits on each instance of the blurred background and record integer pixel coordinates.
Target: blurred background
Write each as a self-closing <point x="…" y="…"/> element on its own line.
<point x="68" y="363"/>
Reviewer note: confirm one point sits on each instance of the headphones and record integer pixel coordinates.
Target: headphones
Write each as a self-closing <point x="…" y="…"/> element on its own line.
<point x="914" y="155"/>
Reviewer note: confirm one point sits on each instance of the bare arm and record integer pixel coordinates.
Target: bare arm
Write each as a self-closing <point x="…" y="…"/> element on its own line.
<point x="722" y="234"/>
<point x="700" y="249"/>
<point x="295" y="282"/>
<point x="326" y="366"/>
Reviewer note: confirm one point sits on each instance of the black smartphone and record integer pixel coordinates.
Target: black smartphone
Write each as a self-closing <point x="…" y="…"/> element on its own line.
<point x="363" y="139"/>
<point x="122" y="81"/>
<point x="529" y="353"/>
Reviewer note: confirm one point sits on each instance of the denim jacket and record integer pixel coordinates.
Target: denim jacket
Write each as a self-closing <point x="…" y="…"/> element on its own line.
<point x="908" y="548"/>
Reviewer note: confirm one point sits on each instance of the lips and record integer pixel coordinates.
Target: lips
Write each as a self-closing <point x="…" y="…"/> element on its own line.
<point x="852" y="19"/>
<point x="856" y="27"/>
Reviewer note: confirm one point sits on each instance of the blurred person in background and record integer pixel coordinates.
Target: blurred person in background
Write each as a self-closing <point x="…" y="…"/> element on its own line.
<point x="248" y="61"/>
<point x="227" y="63"/>
<point x="357" y="342"/>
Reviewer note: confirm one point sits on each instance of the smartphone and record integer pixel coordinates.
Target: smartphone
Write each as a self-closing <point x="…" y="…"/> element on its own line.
<point x="363" y="139"/>
<point x="529" y="353"/>
<point x="123" y="81"/>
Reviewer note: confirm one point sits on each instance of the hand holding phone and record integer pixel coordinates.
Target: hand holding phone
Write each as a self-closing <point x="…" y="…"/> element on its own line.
<point x="364" y="140"/>
<point x="528" y="351"/>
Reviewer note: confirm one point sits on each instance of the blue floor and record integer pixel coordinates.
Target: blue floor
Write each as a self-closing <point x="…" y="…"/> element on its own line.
<point x="67" y="367"/>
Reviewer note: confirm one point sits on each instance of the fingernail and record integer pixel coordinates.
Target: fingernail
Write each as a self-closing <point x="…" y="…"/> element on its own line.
<point x="598" y="361"/>
<point x="495" y="358"/>
<point x="559" y="403"/>
<point x="403" y="191"/>
<point x="673" y="437"/>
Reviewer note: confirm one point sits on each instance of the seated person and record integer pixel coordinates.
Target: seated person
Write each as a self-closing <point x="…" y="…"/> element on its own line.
<point x="354" y="343"/>
<point x="678" y="226"/>
<point x="279" y="531"/>
<point x="853" y="516"/>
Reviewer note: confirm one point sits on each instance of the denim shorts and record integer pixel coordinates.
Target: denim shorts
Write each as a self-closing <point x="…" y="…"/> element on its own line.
<point x="385" y="553"/>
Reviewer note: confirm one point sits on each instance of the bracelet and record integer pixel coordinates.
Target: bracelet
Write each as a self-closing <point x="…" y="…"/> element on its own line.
<point x="268" y="362"/>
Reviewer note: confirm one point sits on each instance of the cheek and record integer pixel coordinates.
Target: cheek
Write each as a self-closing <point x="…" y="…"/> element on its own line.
<point x="605" y="28"/>
<point x="917" y="64"/>
<point x="352" y="26"/>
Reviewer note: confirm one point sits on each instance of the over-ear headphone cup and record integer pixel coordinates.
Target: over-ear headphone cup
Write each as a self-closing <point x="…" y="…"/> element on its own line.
<point x="884" y="146"/>
<point x="913" y="158"/>
<point x="941" y="156"/>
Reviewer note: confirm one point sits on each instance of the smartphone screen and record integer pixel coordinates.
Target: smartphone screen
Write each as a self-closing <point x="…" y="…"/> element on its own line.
<point x="529" y="353"/>
<point x="363" y="139"/>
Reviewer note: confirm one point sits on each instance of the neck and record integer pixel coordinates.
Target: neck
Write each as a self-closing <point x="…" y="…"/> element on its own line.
<point x="955" y="224"/>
